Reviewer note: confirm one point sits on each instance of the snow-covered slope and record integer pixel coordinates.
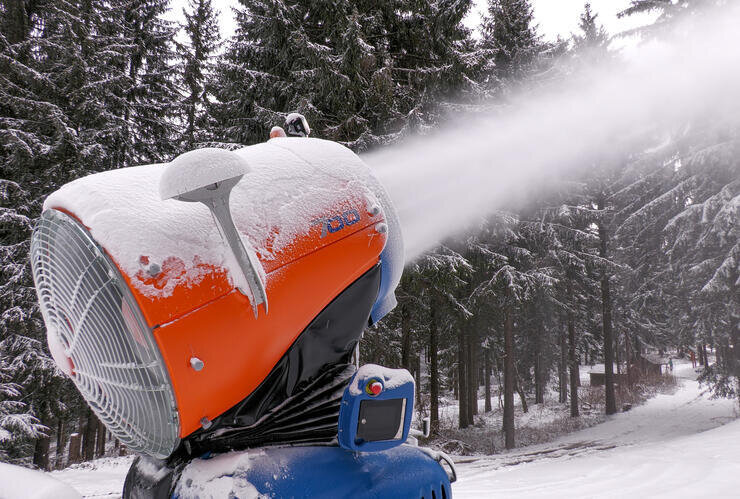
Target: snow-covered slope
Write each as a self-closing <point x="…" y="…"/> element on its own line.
<point x="18" y="482"/>
<point x="101" y="478"/>
<point x="673" y="446"/>
<point x="680" y="445"/>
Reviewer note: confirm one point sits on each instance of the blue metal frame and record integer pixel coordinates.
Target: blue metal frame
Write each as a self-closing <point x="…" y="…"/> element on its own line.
<point x="325" y="472"/>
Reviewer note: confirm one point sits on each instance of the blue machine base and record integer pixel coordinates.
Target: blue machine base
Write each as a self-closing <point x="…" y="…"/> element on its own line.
<point x="401" y="472"/>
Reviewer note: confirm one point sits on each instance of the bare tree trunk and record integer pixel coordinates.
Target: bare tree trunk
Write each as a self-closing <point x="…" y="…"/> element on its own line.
<point x="735" y="359"/>
<point x="563" y="369"/>
<point x="100" y="443"/>
<point x="539" y="381"/>
<point x="611" y="401"/>
<point x="462" y="379"/>
<point x="59" y="459"/>
<point x="472" y="370"/>
<point x="41" y="453"/>
<point x="508" y="421"/>
<point x="520" y="391"/>
<point x="75" y="439"/>
<point x="606" y="318"/>
<point x="719" y="352"/>
<point x="500" y="396"/>
<point x="487" y="368"/>
<point x="41" y="447"/>
<point x="573" y="361"/>
<point x="406" y="339"/>
<point x="88" y="437"/>
<point x="628" y="353"/>
<point x="417" y="361"/>
<point x="434" y="372"/>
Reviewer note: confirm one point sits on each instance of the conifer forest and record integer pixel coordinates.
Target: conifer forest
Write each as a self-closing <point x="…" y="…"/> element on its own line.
<point x="622" y="256"/>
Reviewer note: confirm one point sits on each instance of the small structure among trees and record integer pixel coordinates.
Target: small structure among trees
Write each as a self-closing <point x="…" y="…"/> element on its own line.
<point x="597" y="377"/>
<point x="650" y="364"/>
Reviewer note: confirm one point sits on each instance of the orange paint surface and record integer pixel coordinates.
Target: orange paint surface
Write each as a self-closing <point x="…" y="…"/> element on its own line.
<point x="239" y="350"/>
<point x="205" y="282"/>
<point x="206" y="317"/>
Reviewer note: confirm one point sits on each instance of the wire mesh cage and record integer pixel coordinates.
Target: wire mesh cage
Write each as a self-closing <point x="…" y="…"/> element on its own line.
<point x="113" y="358"/>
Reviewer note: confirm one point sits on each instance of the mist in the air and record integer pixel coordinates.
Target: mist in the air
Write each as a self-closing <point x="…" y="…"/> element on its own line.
<point x="443" y="181"/>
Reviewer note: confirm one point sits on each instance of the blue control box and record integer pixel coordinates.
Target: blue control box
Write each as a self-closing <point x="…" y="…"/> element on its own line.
<point x="376" y="409"/>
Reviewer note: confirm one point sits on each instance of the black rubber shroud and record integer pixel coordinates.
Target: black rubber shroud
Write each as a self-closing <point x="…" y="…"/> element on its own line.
<point x="297" y="403"/>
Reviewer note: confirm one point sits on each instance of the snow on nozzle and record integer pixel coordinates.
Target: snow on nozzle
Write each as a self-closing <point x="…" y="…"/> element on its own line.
<point x="207" y="176"/>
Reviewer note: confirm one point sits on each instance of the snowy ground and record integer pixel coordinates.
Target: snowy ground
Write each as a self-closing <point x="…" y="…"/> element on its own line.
<point x="672" y="446"/>
<point x="101" y="478"/>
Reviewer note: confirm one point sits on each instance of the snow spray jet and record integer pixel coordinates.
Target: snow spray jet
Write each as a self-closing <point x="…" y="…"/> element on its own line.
<point x="442" y="182"/>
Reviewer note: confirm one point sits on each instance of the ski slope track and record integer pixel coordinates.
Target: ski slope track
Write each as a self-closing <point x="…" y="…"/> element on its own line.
<point x="680" y="445"/>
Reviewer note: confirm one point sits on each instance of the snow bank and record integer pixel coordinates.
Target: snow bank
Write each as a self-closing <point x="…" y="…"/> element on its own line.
<point x="291" y="182"/>
<point x="99" y="478"/>
<point x="391" y="378"/>
<point x="17" y="482"/>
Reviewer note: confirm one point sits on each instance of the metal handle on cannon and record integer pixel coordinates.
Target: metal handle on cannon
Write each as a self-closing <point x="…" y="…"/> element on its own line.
<point x="207" y="176"/>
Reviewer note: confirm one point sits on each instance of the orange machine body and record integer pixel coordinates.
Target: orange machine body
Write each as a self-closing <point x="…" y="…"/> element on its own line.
<point x="208" y="318"/>
<point x="239" y="349"/>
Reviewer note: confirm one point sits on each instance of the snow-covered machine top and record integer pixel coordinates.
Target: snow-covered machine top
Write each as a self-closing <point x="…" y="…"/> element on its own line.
<point x="290" y="185"/>
<point x="144" y="307"/>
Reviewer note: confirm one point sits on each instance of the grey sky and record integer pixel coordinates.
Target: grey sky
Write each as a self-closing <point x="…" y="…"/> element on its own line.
<point x="554" y="17"/>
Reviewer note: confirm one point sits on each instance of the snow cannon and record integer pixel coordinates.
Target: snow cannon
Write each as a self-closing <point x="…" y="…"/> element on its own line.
<point x="214" y="304"/>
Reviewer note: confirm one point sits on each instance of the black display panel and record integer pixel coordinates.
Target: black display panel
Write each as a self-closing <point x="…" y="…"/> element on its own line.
<point x="381" y="419"/>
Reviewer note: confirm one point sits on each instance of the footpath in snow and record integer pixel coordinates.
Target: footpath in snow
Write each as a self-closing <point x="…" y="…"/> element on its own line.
<point x="679" y="445"/>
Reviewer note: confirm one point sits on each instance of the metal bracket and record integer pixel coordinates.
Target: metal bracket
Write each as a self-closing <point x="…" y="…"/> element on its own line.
<point x="452" y="474"/>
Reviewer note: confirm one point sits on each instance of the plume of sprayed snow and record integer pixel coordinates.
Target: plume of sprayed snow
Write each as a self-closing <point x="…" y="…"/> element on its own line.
<point x="441" y="182"/>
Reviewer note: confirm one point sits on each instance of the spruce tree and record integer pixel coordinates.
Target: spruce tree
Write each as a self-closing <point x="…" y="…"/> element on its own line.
<point x="201" y="28"/>
<point x="17" y="425"/>
<point x="40" y="146"/>
<point x="668" y="11"/>
<point x="150" y="89"/>
<point x="363" y="73"/>
<point x="440" y="275"/>
<point x="513" y="280"/>
<point x="71" y="102"/>
<point x="591" y="43"/>
<point x="509" y="38"/>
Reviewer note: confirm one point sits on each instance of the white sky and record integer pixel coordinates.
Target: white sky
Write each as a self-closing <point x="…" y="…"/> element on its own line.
<point x="554" y="17"/>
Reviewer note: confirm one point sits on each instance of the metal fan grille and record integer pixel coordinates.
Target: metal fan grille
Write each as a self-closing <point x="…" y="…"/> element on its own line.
<point x="116" y="363"/>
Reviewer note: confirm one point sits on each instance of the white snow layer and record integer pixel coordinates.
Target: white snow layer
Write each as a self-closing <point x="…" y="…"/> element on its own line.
<point x="390" y="378"/>
<point x="205" y="479"/>
<point x="23" y="483"/>
<point x="291" y="182"/>
<point x="195" y="169"/>
<point x="672" y="446"/>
